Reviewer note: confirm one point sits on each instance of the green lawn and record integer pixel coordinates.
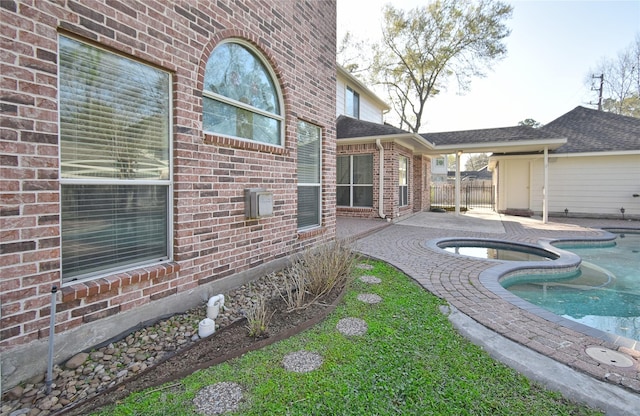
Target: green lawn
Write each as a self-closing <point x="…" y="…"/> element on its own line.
<point x="410" y="362"/>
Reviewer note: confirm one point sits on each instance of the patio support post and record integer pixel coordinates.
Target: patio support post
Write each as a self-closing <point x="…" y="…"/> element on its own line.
<point x="458" y="154"/>
<point x="545" y="187"/>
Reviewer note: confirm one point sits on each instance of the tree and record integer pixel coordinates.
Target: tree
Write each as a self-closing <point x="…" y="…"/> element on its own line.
<point x="530" y="122"/>
<point x="476" y="161"/>
<point x="351" y="54"/>
<point x="423" y="48"/>
<point x="451" y="162"/>
<point x="621" y="81"/>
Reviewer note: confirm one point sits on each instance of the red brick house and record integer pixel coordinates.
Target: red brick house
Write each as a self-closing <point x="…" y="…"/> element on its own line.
<point x="153" y="154"/>
<point x="381" y="171"/>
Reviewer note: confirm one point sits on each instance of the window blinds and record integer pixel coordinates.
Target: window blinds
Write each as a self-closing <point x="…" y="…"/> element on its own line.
<point x="115" y="161"/>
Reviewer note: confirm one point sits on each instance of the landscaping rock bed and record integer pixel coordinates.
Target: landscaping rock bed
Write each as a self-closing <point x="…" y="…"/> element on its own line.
<point x="170" y="348"/>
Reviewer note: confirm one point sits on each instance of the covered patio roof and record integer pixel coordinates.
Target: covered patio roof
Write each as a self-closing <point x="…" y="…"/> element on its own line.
<point x="518" y="139"/>
<point x="506" y="140"/>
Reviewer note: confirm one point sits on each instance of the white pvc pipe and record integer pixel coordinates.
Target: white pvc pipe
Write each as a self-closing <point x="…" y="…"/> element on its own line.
<point x="52" y="332"/>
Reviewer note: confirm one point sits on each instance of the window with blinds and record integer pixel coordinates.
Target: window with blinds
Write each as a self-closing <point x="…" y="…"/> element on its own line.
<point x="115" y="169"/>
<point x="309" y="176"/>
<point x="403" y="181"/>
<point x="354" y="181"/>
<point x="240" y="97"/>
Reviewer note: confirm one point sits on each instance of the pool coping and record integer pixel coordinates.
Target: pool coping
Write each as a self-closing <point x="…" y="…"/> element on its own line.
<point x="566" y="262"/>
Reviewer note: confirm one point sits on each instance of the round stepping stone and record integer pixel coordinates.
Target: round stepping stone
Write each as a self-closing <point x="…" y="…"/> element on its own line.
<point x="370" y="279"/>
<point x="369" y="298"/>
<point x="352" y="326"/>
<point x="218" y="398"/>
<point x="364" y="266"/>
<point x="301" y="361"/>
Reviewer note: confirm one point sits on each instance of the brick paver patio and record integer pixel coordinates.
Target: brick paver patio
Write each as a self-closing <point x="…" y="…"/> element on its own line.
<point x="456" y="279"/>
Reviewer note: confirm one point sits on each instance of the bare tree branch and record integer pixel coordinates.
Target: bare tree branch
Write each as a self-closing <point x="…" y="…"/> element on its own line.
<point x="421" y="49"/>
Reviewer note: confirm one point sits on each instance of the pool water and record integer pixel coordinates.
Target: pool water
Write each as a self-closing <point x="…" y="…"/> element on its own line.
<point x="604" y="294"/>
<point x="489" y="250"/>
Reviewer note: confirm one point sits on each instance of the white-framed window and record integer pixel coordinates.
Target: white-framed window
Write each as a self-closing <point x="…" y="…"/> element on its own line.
<point x="354" y="179"/>
<point x="241" y="97"/>
<point x="115" y="161"/>
<point x="403" y="181"/>
<point x="352" y="102"/>
<point x="309" y="176"/>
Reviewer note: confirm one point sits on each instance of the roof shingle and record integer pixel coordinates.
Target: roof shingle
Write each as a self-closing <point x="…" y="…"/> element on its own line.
<point x="504" y="134"/>
<point x="590" y="130"/>
<point x="347" y="128"/>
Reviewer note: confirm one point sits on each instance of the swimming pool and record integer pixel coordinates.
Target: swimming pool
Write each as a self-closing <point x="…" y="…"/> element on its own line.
<point x="496" y="250"/>
<point x="603" y="294"/>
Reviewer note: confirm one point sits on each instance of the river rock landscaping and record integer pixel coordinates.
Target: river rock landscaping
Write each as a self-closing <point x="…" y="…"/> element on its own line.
<point x="91" y="374"/>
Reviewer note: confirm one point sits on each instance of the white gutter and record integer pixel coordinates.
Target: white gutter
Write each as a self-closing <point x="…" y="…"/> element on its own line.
<point x="410" y="140"/>
<point x="381" y="180"/>
<point x="513" y="146"/>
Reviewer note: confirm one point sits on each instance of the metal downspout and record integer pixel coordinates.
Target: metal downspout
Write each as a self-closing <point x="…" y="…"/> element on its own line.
<point x="381" y="181"/>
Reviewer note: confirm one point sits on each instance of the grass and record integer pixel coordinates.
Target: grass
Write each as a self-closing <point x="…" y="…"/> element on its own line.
<point x="410" y="362"/>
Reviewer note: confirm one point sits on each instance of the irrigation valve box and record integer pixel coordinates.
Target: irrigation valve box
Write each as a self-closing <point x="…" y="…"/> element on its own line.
<point x="258" y="203"/>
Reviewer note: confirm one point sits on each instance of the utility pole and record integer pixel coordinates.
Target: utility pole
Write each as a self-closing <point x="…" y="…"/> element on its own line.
<point x="599" y="90"/>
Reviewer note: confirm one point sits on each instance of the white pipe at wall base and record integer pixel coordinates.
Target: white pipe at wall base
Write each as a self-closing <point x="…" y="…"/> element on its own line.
<point x="214" y="305"/>
<point x="206" y="327"/>
<point x="52" y="332"/>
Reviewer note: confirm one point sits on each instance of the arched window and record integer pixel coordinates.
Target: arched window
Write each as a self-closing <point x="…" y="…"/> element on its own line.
<point x="240" y="96"/>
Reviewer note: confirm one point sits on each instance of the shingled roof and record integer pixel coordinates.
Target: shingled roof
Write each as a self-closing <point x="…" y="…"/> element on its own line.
<point x="347" y="128"/>
<point x="590" y="130"/>
<point x="585" y="130"/>
<point x="503" y="135"/>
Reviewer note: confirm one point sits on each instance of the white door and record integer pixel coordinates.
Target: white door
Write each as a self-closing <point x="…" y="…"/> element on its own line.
<point x="518" y="184"/>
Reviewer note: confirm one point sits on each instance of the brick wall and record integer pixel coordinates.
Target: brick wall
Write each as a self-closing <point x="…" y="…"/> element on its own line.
<point x="421" y="180"/>
<point x="211" y="237"/>
<point x="419" y="172"/>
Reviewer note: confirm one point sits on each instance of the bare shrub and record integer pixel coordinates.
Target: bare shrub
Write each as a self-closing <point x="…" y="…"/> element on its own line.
<point x="258" y="318"/>
<point x="325" y="268"/>
<point x="292" y="292"/>
<point x="316" y="272"/>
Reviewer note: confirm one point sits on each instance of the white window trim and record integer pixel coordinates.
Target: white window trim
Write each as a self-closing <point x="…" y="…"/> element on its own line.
<point x="226" y="100"/>
<point x="98" y="181"/>
<point x="318" y="184"/>
<point x="346" y="105"/>
<point x="351" y="185"/>
<point x="406" y="176"/>
<point x="319" y="212"/>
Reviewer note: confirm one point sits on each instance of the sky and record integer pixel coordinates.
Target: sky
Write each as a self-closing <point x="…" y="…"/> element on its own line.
<point x="551" y="50"/>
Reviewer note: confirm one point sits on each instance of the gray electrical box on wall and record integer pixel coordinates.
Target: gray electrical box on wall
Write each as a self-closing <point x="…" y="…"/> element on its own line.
<point x="258" y="203"/>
